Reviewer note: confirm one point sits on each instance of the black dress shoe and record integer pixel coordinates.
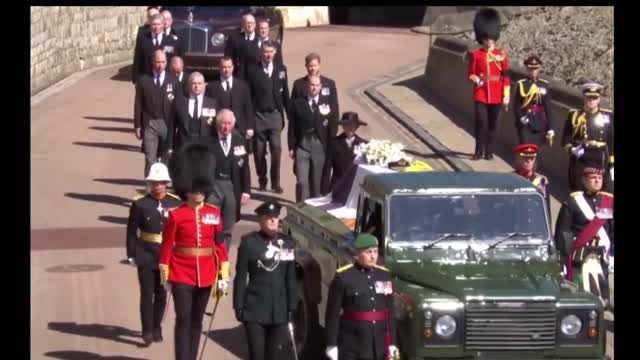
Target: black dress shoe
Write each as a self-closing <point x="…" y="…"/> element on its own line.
<point x="476" y="157"/>
<point x="278" y="190"/>
<point x="262" y="188"/>
<point x="488" y="157"/>
<point x="147" y="339"/>
<point x="157" y="335"/>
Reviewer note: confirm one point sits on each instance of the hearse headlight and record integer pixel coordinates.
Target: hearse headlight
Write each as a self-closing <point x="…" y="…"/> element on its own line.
<point x="446" y="326"/>
<point x="571" y="325"/>
<point x="217" y="39"/>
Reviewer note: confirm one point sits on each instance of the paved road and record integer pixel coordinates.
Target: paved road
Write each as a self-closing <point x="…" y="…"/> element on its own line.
<point x="86" y="166"/>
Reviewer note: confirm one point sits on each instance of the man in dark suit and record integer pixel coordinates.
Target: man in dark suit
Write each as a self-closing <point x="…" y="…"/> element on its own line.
<point x="177" y="69"/>
<point x="152" y="40"/>
<point x="235" y="46"/>
<point x="253" y="49"/>
<point x="195" y="114"/>
<point x="143" y="29"/>
<point x="270" y="93"/>
<point x="234" y="94"/>
<point x="154" y="110"/>
<point x="232" y="170"/>
<point x="312" y="123"/>
<point x="340" y="151"/>
<point x="168" y="22"/>
<point x="299" y="89"/>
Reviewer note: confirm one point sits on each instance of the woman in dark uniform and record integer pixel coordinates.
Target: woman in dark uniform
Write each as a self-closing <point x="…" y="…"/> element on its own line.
<point x="265" y="303"/>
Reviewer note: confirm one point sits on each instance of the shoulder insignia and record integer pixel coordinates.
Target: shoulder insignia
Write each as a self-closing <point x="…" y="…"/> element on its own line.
<point x="606" y="193"/>
<point x="346" y="267"/>
<point x="174" y="196"/>
<point x="138" y="197"/>
<point x="380" y="267"/>
<point x="575" y="193"/>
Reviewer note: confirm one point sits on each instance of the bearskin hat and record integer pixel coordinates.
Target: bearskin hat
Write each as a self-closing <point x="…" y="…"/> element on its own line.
<point x="486" y="24"/>
<point x="192" y="169"/>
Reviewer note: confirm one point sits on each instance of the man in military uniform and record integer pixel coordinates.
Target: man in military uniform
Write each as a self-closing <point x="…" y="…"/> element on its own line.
<point x="526" y="155"/>
<point x="531" y="107"/>
<point x="584" y="233"/>
<point x="359" y="318"/>
<point x="588" y="136"/>
<point x="147" y="214"/>
<point x="265" y="303"/>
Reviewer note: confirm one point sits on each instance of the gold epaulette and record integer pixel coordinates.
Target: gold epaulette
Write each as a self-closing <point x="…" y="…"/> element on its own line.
<point x="606" y="193"/>
<point x="380" y="267"/>
<point x="138" y="197"/>
<point x="346" y="267"/>
<point x="575" y="193"/>
<point x="522" y="80"/>
<point x="174" y="196"/>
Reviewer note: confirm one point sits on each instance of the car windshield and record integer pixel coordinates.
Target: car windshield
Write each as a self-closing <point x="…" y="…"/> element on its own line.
<point x="490" y="217"/>
<point x="205" y="12"/>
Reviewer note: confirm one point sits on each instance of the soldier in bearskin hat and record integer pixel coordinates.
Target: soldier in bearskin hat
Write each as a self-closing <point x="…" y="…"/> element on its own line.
<point x="488" y="72"/>
<point x="193" y="259"/>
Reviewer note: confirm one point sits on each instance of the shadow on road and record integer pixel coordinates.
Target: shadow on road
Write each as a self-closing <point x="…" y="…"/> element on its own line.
<point x="112" y="129"/>
<point x="121" y="181"/>
<point x="109" y="199"/>
<point x="83" y="355"/>
<point x="231" y="339"/>
<point x="436" y="156"/>
<point x="558" y="185"/>
<point x="101" y="331"/>
<point x="113" y="219"/>
<point x="110" y="118"/>
<point x="124" y="73"/>
<point x="113" y="146"/>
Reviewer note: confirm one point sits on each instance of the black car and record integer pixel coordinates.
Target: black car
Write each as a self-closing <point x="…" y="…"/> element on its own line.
<point x="203" y="30"/>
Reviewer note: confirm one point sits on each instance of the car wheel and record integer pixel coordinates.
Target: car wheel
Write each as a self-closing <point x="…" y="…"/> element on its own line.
<point x="306" y="327"/>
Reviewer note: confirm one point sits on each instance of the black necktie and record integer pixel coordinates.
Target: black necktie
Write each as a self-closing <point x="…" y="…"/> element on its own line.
<point x="228" y="86"/>
<point x="158" y="80"/>
<point x="314" y="106"/>
<point x="195" y="108"/>
<point x="224" y="144"/>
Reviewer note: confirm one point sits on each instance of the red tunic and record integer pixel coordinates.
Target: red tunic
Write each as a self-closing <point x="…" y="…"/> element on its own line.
<point x="491" y="67"/>
<point x="189" y="227"/>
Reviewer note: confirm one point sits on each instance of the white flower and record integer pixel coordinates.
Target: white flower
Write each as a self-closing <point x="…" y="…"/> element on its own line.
<point x="381" y="152"/>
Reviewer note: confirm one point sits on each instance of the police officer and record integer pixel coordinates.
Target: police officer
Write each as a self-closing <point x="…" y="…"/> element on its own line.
<point x="312" y="124"/>
<point x="265" y="303"/>
<point x="193" y="260"/>
<point x="531" y="106"/>
<point x="584" y="233"/>
<point x="588" y="136"/>
<point x="359" y="319"/>
<point x="526" y="155"/>
<point x="147" y="214"/>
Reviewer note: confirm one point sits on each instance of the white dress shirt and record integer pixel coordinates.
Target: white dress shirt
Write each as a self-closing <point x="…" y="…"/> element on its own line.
<point x="316" y="98"/>
<point x="159" y="39"/>
<point x="224" y="84"/>
<point x="192" y="101"/>
<point x="155" y="76"/>
<point x="250" y="37"/>
<point x="225" y="141"/>
<point x="268" y="69"/>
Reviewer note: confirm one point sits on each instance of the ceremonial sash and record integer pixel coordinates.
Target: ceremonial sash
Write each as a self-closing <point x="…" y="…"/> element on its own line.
<point x="595" y="226"/>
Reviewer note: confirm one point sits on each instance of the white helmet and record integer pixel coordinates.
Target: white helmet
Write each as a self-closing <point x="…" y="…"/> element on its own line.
<point x="159" y="172"/>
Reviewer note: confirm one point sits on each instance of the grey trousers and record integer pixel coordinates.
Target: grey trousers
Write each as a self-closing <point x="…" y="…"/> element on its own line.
<point x="268" y="129"/>
<point x="309" y="161"/>
<point x="228" y="207"/>
<point x="154" y="137"/>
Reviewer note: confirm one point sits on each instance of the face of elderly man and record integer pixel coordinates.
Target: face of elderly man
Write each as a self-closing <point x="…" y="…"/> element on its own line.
<point x="196" y="84"/>
<point x="159" y="61"/>
<point x="157" y="25"/>
<point x="225" y="123"/>
<point x="168" y="18"/>
<point x="248" y="24"/>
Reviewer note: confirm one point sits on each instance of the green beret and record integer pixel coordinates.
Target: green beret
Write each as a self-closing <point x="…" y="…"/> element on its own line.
<point x="364" y="241"/>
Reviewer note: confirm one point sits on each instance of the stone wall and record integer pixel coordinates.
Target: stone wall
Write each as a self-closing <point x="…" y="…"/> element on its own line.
<point x="67" y="39"/>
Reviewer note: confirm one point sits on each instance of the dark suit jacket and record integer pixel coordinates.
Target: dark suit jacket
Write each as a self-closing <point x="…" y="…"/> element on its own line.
<point x="183" y="118"/>
<point x="234" y="48"/>
<point x="153" y="102"/>
<point x="338" y="158"/>
<point x="144" y="53"/>
<point x="259" y="83"/>
<point x="326" y="126"/>
<point x="252" y="54"/>
<point x="185" y="83"/>
<point x="239" y="102"/>
<point x="240" y="172"/>
<point x="299" y="90"/>
<point x="137" y="49"/>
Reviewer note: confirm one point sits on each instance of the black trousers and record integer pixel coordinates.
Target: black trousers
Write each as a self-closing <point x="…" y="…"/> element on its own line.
<point x="153" y="299"/>
<point x="190" y="303"/>
<point x="526" y="136"/>
<point x="268" y="130"/>
<point x="268" y="342"/>
<point x="485" y="131"/>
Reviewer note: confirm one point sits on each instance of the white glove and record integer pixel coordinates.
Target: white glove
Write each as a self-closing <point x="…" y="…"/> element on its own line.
<point x="524" y="120"/>
<point x="611" y="173"/>
<point x="505" y="100"/>
<point x="551" y="133"/>
<point x="577" y="151"/>
<point x="611" y="264"/>
<point x="132" y="261"/>
<point x="332" y="352"/>
<point x="250" y="132"/>
<point x="392" y="351"/>
<point x="222" y="286"/>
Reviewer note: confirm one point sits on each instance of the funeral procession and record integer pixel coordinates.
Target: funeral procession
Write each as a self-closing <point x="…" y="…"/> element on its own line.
<point x="322" y="182"/>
